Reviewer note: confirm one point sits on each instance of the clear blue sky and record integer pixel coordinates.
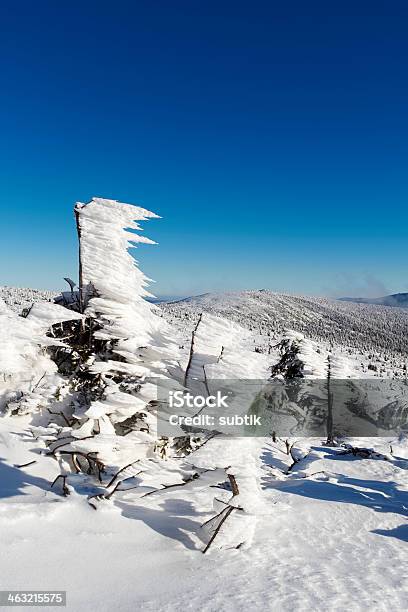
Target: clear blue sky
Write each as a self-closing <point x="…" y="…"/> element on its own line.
<point x="272" y="137"/>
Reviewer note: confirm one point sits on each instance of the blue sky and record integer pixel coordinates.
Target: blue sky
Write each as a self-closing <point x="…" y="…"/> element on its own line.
<point x="271" y="137"/>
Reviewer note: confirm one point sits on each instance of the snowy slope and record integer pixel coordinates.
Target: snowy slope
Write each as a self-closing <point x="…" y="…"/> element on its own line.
<point x="356" y="325"/>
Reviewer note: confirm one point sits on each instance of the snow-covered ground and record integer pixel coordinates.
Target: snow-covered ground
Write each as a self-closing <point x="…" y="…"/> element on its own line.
<point x="329" y="534"/>
<point x="94" y="500"/>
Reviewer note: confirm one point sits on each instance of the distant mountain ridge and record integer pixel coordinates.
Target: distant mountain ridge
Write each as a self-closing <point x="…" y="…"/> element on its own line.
<point x="397" y="300"/>
<point x="361" y="326"/>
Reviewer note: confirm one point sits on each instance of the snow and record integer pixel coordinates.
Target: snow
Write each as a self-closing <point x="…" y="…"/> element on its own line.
<point x="108" y="267"/>
<point x="326" y="533"/>
<point x="26" y="368"/>
<point x="221" y="352"/>
<point x="19" y="298"/>
<point x="359" y="327"/>
<point x="285" y="523"/>
<point x="330" y="535"/>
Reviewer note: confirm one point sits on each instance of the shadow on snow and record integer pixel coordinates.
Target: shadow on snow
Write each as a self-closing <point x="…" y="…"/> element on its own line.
<point x="377" y="495"/>
<point x="13" y="480"/>
<point x="171" y="520"/>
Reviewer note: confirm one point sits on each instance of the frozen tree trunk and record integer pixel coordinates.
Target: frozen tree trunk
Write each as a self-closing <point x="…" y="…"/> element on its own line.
<point x="330" y="438"/>
<point x="80" y="276"/>
<point x="190" y="359"/>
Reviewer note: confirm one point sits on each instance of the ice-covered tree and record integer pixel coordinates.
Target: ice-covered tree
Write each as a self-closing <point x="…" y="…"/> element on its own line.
<point x="120" y="351"/>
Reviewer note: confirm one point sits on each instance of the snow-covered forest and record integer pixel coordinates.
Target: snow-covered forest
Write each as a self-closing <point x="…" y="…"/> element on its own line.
<point x="95" y="500"/>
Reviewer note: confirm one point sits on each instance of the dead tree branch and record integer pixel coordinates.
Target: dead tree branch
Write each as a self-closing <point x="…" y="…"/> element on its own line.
<point x="225" y="512"/>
